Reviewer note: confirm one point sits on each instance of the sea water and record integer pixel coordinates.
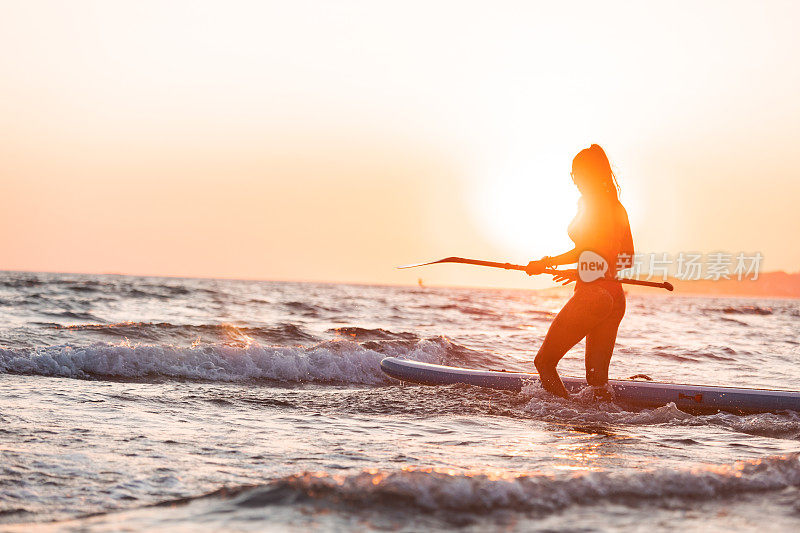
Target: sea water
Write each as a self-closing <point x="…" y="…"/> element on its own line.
<point x="133" y="403"/>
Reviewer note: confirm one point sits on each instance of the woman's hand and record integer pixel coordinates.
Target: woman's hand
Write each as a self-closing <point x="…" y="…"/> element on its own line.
<point x="565" y="277"/>
<point x="536" y="267"/>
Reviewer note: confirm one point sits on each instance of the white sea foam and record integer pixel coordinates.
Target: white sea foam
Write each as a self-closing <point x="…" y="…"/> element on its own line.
<point x="583" y="408"/>
<point x="338" y="361"/>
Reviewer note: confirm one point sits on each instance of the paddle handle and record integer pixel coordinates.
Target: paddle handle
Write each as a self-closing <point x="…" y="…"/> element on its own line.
<point x="555" y="272"/>
<point x="552" y="271"/>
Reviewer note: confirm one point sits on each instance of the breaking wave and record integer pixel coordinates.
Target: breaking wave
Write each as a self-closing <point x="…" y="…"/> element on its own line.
<point x="432" y="490"/>
<point x="336" y="361"/>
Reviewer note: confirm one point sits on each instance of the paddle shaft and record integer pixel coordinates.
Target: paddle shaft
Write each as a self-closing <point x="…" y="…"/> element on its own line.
<point x="552" y="271"/>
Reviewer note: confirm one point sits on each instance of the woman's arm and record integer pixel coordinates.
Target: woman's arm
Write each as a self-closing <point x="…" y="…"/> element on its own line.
<point x="567" y="258"/>
<point x="537" y="267"/>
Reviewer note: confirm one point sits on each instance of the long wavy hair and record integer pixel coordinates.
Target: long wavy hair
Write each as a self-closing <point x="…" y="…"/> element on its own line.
<point x="592" y="164"/>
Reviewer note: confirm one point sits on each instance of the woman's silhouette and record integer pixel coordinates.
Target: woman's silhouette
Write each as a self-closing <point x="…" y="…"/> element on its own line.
<point x="597" y="307"/>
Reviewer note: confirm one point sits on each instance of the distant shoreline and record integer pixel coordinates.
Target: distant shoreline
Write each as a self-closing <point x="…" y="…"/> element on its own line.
<point x="777" y="284"/>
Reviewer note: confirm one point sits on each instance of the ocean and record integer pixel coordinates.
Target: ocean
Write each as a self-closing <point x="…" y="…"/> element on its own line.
<point x="154" y="404"/>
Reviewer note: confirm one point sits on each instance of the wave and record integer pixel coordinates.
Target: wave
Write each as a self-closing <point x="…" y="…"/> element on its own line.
<point x="676" y="353"/>
<point x="210" y="333"/>
<point x="22" y="282"/>
<point x="459" y="495"/>
<point x="337" y="361"/>
<point x="734" y="321"/>
<point x="305" y="309"/>
<point x="780" y="426"/>
<point x="366" y="334"/>
<point x="741" y="310"/>
<point x="478" y="311"/>
<point x="413" y="498"/>
<point x="77" y="315"/>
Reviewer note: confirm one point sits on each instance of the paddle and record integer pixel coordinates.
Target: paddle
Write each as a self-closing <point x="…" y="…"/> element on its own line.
<point x="551" y="271"/>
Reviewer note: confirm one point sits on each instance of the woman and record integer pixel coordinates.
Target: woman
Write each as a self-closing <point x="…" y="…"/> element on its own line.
<point x="597" y="307"/>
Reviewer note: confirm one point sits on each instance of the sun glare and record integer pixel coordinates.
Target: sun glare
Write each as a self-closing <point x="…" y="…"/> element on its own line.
<point x="525" y="207"/>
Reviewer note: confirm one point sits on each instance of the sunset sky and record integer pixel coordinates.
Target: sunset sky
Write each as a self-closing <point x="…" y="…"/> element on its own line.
<point x="332" y="141"/>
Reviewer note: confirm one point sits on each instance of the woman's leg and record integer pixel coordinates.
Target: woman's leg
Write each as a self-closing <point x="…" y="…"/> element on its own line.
<point x="600" y="343"/>
<point x="588" y="307"/>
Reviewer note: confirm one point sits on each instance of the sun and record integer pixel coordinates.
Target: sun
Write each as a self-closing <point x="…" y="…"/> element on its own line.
<point x="524" y="207"/>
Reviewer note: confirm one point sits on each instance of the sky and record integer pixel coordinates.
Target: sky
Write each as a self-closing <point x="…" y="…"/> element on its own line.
<point x="333" y="141"/>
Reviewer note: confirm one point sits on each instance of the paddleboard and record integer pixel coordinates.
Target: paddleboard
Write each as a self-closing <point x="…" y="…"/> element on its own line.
<point x="690" y="398"/>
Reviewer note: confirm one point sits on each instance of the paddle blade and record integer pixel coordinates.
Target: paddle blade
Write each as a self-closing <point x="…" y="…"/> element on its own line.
<point x="423" y="264"/>
<point x="465" y="261"/>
